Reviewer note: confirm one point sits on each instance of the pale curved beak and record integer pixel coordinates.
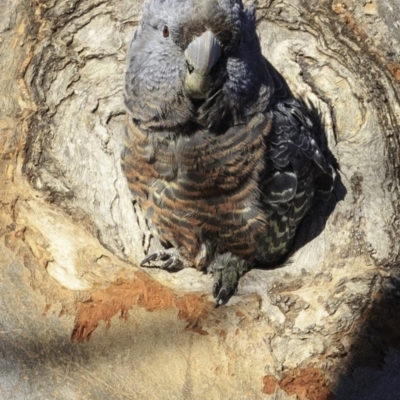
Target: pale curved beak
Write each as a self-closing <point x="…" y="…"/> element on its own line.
<point x="201" y="55"/>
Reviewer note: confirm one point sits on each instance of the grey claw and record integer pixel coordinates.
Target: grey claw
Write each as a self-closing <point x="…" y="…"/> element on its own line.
<point x="151" y="257"/>
<point x="217" y="283"/>
<point x="171" y="260"/>
<point x="170" y="263"/>
<point x="222" y="298"/>
<point x="215" y="289"/>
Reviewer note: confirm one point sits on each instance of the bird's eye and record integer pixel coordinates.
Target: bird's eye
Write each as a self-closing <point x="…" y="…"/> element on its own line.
<point x="165" y="31"/>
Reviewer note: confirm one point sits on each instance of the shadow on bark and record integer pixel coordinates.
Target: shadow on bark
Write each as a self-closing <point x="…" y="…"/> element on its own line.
<point x="373" y="368"/>
<point x="315" y="220"/>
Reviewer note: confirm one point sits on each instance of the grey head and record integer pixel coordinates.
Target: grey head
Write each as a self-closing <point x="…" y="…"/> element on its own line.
<point x="195" y="62"/>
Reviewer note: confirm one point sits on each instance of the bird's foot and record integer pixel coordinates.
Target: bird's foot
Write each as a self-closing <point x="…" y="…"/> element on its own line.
<point x="171" y="259"/>
<point x="227" y="269"/>
<point x="225" y="284"/>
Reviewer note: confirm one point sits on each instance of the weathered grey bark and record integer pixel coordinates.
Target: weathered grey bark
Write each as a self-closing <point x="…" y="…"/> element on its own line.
<point x="71" y="238"/>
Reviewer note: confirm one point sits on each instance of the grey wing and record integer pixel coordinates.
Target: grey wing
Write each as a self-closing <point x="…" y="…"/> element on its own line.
<point x="296" y="171"/>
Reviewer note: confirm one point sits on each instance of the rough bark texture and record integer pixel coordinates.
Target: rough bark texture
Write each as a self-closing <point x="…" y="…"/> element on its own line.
<point x="324" y="325"/>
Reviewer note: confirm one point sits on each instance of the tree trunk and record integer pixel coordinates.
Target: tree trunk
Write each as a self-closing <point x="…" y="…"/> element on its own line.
<point x="71" y="238"/>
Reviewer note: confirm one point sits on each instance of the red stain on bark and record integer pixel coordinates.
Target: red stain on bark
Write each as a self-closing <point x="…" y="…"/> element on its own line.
<point x="145" y="292"/>
<point x="395" y="70"/>
<point x="194" y="309"/>
<point x="307" y="384"/>
<point x="270" y="384"/>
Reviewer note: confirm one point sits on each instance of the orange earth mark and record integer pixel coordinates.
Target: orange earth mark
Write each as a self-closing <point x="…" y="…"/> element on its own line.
<point x="395" y="70"/>
<point x="144" y="292"/>
<point x="307" y="384"/>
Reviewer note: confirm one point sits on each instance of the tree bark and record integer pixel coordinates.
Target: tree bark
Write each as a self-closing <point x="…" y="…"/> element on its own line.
<point x="71" y="238"/>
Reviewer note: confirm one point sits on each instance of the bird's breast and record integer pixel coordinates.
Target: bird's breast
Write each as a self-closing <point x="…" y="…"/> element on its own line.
<point x="201" y="187"/>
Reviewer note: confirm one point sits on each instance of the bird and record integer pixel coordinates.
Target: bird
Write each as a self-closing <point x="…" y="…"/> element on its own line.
<point x="222" y="158"/>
